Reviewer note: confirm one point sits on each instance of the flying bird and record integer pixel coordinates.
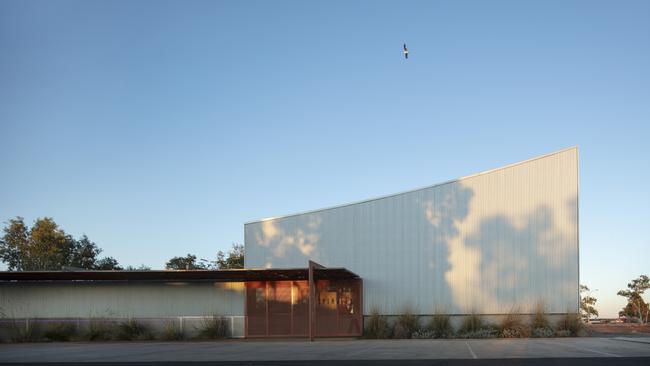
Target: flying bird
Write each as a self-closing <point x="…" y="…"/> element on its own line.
<point x="406" y="52"/>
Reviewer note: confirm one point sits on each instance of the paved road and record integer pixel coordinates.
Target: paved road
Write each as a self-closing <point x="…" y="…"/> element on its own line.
<point x="559" y="351"/>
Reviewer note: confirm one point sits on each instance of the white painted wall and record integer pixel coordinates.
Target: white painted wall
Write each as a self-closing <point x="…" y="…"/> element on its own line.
<point x="129" y="300"/>
<point x="492" y="242"/>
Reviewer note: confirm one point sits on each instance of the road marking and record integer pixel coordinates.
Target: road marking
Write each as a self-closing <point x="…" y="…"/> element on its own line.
<point x="590" y="350"/>
<point x="625" y="339"/>
<point x="602" y="353"/>
<point x="470" y="350"/>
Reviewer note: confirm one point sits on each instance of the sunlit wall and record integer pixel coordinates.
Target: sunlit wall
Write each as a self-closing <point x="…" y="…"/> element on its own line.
<point x="500" y="241"/>
<point x="127" y="300"/>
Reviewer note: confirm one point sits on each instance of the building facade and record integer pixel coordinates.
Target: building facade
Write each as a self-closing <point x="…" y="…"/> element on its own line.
<point x="491" y="243"/>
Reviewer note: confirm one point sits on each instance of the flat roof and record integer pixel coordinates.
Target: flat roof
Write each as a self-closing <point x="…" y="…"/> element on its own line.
<point x="225" y="275"/>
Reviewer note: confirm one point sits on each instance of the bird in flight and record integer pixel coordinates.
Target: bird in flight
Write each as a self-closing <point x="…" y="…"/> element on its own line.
<point x="406" y="52"/>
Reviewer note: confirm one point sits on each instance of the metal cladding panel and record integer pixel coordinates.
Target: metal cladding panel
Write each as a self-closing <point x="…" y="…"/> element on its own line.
<point x="84" y="300"/>
<point x="492" y="243"/>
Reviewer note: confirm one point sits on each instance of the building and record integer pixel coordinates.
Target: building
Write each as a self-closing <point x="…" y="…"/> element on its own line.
<point x="487" y="243"/>
<point x="253" y="302"/>
<point x="491" y="243"/>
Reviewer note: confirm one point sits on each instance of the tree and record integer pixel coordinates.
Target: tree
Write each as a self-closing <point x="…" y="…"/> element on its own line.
<point x="14" y="243"/>
<point x="45" y="246"/>
<point x="85" y="253"/>
<point x="187" y="262"/>
<point x="636" y="306"/>
<point x="235" y="258"/>
<point x="587" y="303"/>
<point x="141" y="267"/>
<point x="107" y="263"/>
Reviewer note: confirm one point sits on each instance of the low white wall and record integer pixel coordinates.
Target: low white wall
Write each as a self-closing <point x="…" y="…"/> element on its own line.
<point x="122" y="300"/>
<point x="188" y="326"/>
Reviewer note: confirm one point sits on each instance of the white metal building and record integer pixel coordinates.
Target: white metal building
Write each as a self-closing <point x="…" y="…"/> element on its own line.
<point x="489" y="243"/>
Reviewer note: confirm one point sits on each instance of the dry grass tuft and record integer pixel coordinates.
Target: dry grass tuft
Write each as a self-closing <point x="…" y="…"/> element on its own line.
<point x="377" y="326"/>
<point x="440" y="325"/>
<point x="214" y="327"/>
<point x="512" y="326"/>
<point x="407" y="324"/>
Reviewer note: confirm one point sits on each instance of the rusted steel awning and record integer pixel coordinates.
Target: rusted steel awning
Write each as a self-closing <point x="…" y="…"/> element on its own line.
<point x="226" y="275"/>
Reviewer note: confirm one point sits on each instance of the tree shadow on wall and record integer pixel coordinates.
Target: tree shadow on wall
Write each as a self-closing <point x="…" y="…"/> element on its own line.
<point x="443" y="207"/>
<point x="522" y="265"/>
<point x="289" y="241"/>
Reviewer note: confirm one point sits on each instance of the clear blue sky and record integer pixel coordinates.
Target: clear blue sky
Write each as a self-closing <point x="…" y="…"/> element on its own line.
<point x="159" y="128"/>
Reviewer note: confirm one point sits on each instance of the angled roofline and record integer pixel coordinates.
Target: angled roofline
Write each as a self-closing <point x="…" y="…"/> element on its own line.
<point x="575" y="147"/>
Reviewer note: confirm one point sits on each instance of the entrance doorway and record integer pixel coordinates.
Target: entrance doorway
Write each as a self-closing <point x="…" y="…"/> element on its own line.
<point x="281" y="308"/>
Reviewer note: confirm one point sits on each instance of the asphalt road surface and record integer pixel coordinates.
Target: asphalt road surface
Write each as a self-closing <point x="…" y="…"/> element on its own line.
<point x="552" y="351"/>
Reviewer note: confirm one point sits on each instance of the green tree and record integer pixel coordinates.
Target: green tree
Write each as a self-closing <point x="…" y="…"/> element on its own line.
<point x="141" y="267"/>
<point x="636" y="306"/>
<point x="85" y="253"/>
<point x="45" y="246"/>
<point x="234" y="258"/>
<point x="107" y="263"/>
<point x="187" y="262"/>
<point x="587" y="303"/>
<point x="14" y="244"/>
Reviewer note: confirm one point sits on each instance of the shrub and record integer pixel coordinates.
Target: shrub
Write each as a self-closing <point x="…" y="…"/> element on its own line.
<point x="540" y="320"/>
<point x="19" y="331"/>
<point x="214" y="327"/>
<point x="473" y="326"/>
<point x="563" y="333"/>
<point x="485" y="332"/>
<point x="99" y="330"/>
<point x="60" y="332"/>
<point x="570" y="325"/>
<point x="423" y="334"/>
<point x="171" y="332"/>
<point x="471" y="323"/>
<point x="512" y="326"/>
<point x="133" y="330"/>
<point x="440" y="325"/>
<point x="542" y="333"/>
<point x="377" y="326"/>
<point x="407" y="323"/>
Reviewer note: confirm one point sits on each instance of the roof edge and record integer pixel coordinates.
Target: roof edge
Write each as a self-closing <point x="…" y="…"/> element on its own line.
<point x="227" y="275"/>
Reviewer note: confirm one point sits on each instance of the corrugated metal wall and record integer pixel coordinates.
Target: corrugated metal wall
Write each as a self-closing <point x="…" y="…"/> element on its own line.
<point x="491" y="243"/>
<point x="135" y="300"/>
